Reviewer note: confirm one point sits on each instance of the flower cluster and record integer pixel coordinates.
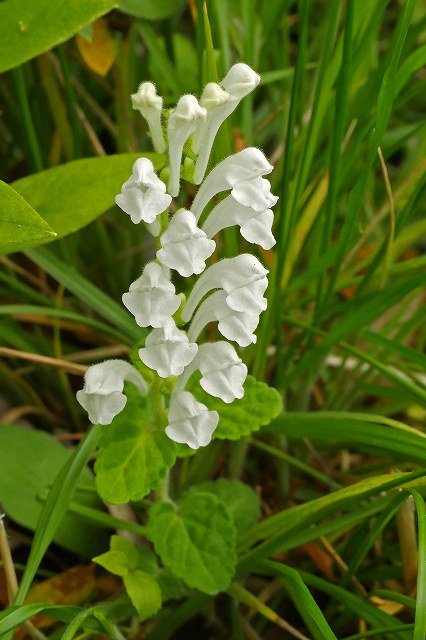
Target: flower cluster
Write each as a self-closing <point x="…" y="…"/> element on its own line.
<point x="229" y="291"/>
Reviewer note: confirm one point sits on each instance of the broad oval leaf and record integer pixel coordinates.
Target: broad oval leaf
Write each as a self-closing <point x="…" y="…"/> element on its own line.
<point x="20" y="225"/>
<point x="196" y="540"/>
<point x="30" y="28"/>
<point x="133" y="456"/>
<point x="241" y="501"/>
<point x="73" y="194"/>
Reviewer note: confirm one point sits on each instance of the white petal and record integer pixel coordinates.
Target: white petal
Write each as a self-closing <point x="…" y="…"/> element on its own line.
<point x="183" y="121"/>
<point x="102" y="395"/>
<point x="190" y="422"/>
<point x="245" y="165"/>
<point x="240" y="80"/>
<point x="150" y="105"/>
<point x="244" y="272"/>
<point x="168" y="350"/>
<point x="223" y="372"/>
<point x="254" y="226"/>
<point x="151" y="298"/>
<point x="254" y="193"/>
<point x="233" y="325"/>
<point x="185" y="247"/>
<point x="143" y="196"/>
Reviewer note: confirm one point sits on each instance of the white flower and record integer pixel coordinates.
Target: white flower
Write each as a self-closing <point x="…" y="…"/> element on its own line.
<point x="245" y="165"/>
<point x="183" y="121"/>
<point x="149" y="104"/>
<point x="151" y="298"/>
<point x="255" y="193"/>
<point x="185" y="247"/>
<point x="221" y="100"/>
<point x="190" y="422"/>
<point x="102" y="395"/>
<point x="244" y="280"/>
<point x="233" y="325"/>
<point x="168" y="350"/>
<point x="223" y="372"/>
<point x="144" y="195"/>
<point x="255" y="226"/>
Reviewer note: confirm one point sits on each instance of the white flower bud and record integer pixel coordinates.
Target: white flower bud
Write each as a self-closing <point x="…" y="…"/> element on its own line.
<point x="151" y="298"/>
<point x="255" y="226"/>
<point x="183" y="121"/>
<point x="190" y="422"/>
<point x="244" y="280"/>
<point x="223" y="372"/>
<point x="102" y="394"/>
<point x="221" y="100"/>
<point x="168" y="350"/>
<point x="144" y="195"/>
<point x="185" y="247"/>
<point x="245" y="165"/>
<point x="233" y="325"/>
<point x="149" y="104"/>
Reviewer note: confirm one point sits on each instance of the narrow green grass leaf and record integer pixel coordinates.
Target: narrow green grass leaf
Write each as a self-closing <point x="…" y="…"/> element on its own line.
<point x="86" y="292"/>
<point x="420" y="619"/>
<point x="302" y="599"/>
<point x="407" y="444"/>
<point x="56" y="506"/>
<point x="29" y="28"/>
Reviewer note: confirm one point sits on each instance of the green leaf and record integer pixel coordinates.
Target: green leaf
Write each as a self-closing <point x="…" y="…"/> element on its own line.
<point x="196" y="540"/>
<point x="30" y="462"/>
<point x="151" y="9"/>
<point x="29" y="28"/>
<point x="20" y="225"/>
<point x="133" y="457"/>
<point x="122" y="556"/>
<point x="240" y="499"/>
<point x="144" y="592"/>
<point x="70" y="196"/>
<point x="259" y="405"/>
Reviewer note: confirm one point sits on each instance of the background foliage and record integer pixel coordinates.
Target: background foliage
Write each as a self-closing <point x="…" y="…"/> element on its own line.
<point x="339" y="549"/>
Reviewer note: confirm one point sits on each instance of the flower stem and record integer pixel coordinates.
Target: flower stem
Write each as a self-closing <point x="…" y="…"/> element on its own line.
<point x="27" y="119"/>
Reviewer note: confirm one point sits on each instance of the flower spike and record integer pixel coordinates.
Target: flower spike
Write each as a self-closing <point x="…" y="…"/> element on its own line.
<point x="102" y="395"/>
<point x="150" y="105"/>
<point x="221" y="100"/>
<point x="168" y="350"/>
<point x="185" y="247"/>
<point x="183" y="121"/>
<point x="143" y="196"/>
<point x="245" y="165"/>
<point x="190" y="422"/>
<point x="243" y="278"/>
<point x="151" y="298"/>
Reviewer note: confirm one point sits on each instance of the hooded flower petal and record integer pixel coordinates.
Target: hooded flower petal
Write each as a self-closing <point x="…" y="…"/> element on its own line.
<point x="245" y="165"/>
<point x="233" y="325"/>
<point x="223" y="372"/>
<point x="150" y="105"/>
<point x="244" y="280"/>
<point x="255" y="193"/>
<point x="144" y="195"/>
<point x="151" y="298"/>
<point x="168" y="350"/>
<point x="184" y="247"/>
<point x="190" y="422"/>
<point x="255" y="226"/>
<point x="102" y="394"/>
<point x="183" y="121"/>
<point x="221" y="100"/>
